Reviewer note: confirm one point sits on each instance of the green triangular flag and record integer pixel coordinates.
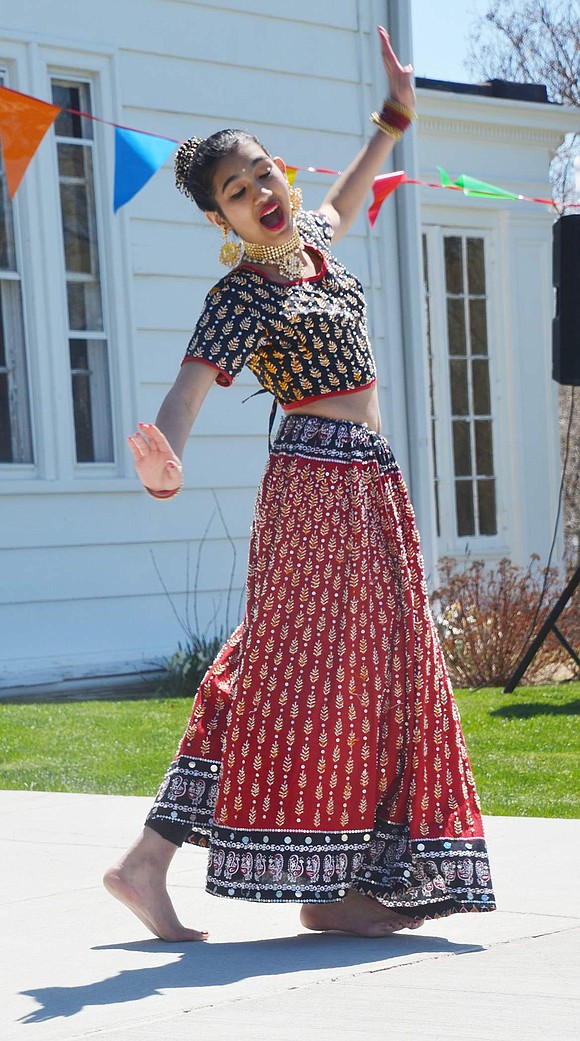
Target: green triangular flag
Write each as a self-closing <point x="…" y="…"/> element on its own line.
<point x="471" y="186"/>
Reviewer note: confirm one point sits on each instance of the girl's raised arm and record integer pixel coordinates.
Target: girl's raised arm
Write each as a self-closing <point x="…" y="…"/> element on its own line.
<point x="348" y="194"/>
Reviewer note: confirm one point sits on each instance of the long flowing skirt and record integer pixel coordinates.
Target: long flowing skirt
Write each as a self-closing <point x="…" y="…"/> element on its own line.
<point x="324" y="749"/>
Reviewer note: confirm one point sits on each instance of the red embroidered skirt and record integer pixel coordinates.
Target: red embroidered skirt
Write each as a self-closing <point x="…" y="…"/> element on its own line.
<point x="324" y="748"/>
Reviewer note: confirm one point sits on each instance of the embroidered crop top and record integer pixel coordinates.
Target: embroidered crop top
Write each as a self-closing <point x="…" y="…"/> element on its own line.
<point x="303" y="340"/>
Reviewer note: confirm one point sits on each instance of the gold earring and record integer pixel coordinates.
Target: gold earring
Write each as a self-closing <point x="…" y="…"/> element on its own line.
<point x="230" y="252"/>
<point x="295" y="199"/>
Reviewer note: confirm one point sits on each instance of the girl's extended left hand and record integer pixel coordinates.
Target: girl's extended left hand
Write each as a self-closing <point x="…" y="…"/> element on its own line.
<point x="400" y="77"/>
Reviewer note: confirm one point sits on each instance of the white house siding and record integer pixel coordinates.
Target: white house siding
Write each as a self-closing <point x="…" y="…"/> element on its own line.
<point x="79" y="595"/>
<point x="509" y="144"/>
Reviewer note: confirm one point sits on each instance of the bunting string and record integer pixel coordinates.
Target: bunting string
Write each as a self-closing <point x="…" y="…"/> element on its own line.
<point x="24" y="121"/>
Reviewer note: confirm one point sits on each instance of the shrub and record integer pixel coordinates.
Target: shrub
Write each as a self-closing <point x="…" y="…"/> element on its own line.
<point x="186" y="667"/>
<point x="486" y="617"/>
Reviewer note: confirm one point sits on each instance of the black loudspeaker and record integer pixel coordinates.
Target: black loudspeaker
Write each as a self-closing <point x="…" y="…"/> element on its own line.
<point x="566" y="279"/>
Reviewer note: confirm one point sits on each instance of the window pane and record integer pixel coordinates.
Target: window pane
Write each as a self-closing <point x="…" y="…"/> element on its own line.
<point x="15" y="426"/>
<point x="79" y="358"/>
<point x="483" y="448"/>
<point x="6" y="454"/>
<point x="75" y="222"/>
<point x="91" y="401"/>
<point x="437" y="510"/>
<point x="475" y="267"/>
<point x="459" y="388"/>
<point x="81" y="391"/>
<point x="3" y="358"/>
<point x="425" y="263"/>
<point x="481" y="391"/>
<point x="83" y="418"/>
<point x="456" y="327"/>
<point x="461" y="449"/>
<point x="478" y="326"/>
<point x="7" y="253"/>
<point x="84" y="307"/>
<point x="71" y="161"/>
<point x="77" y="312"/>
<point x="74" y="96"/>
<point x="464" y="508"/>
<point x="487" y="507"/>
<point x="454" y="264"/>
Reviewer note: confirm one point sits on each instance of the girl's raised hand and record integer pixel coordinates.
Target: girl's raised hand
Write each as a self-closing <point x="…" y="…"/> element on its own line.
<point x="400" y="77"/>
<point x="156" y="463"/>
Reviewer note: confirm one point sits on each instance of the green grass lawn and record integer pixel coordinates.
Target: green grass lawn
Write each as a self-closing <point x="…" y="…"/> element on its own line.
<point x="524" y="747"/>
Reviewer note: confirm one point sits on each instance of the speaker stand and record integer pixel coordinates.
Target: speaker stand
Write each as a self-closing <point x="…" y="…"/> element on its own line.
<point x="549" y="625"/>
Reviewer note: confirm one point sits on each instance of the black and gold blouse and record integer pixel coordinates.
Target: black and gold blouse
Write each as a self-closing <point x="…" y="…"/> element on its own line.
<point x="304" y="340"/>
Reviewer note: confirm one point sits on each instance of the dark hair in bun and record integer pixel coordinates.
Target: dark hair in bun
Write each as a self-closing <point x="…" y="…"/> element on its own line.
<point x="196" y="160"/>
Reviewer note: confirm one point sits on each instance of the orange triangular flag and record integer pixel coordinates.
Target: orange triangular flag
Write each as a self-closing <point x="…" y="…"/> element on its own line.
<point x="291" y="172"/>
<point x="23" y="124"/>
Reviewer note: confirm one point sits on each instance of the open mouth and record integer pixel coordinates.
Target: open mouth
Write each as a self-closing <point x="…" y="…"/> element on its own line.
<point x="272" y="216"/>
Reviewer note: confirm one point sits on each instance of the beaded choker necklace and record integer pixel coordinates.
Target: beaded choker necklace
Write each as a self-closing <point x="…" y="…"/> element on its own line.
<point x="285" y="257"/>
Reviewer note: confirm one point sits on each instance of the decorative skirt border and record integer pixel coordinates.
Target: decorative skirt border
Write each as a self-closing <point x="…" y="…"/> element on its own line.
<point x="185" y="803"/>
<point x="309" y="867"/>
<point x="333" y="440"/>
<point x="431" y="877"/>
<point x="428" y="877"/>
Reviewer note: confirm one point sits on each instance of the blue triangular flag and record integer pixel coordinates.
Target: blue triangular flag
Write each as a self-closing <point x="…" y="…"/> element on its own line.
<point x="137" y="157"/>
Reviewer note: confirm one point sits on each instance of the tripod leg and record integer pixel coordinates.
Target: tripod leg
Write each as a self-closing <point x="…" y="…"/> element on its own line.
<point x="566" y="644"/>
<point x="550" y="622"/>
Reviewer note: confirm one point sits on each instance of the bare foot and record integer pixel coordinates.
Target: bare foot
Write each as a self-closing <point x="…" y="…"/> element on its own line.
<point x="356" y="914"/>
<point x="139" y="882"/>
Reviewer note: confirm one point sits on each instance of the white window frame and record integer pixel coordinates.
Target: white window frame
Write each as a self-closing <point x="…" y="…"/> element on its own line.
<point x="448" y="540"/>
<point x="32" y="67"/>
<point x="13" y="317"/>
<point x="97" y="341"/>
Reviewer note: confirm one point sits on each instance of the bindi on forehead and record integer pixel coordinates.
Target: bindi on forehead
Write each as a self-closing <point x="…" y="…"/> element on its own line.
<point x="243" y="170"/>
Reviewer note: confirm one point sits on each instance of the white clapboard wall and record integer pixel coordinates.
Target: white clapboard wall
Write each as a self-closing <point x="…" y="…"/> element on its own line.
<point x="79" y="591"/>
<point x="94" y="576"/>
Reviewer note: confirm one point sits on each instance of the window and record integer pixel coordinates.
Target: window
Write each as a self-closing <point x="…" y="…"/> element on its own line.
<point x="88" y="344"/>
<point x="430" y="363"/>
<point x="15" y="428"/>
<point x="461" y="347"/>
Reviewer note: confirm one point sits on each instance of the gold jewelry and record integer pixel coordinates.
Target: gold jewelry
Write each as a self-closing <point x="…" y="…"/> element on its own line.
<point x="295" y="199"/>
<point x="386" y="127"/>
<point x="286" y="257"/>
<point x="231" y="252"/>
<point x="407" y="113"/>
<point x="393" y="119"/>
<point x="182" y="164"/>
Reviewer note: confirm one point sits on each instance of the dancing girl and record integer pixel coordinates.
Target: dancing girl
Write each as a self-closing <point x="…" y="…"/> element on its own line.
<point x="324" y="762"/>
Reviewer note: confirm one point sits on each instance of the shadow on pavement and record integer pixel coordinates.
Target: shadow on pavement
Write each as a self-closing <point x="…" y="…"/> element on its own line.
<point x="220" y="964"/>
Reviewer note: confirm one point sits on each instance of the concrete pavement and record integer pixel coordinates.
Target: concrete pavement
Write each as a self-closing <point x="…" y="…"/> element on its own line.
<point x="75" y="964"/>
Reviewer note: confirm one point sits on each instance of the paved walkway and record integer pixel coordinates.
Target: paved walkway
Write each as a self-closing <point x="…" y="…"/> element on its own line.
<point x="75" y="964"/>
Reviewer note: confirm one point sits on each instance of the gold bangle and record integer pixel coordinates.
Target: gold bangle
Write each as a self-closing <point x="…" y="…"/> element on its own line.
<point x="386" y="127"/>
<point x="406" y="112"/>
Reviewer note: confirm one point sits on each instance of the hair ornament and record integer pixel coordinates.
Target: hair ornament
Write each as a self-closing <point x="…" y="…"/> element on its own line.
<point x="184" y="158"/>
